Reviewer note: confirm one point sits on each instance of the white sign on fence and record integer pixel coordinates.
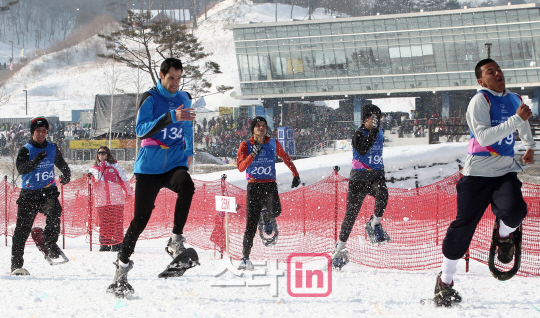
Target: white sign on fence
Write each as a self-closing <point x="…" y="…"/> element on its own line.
<point x="225" y="204"/>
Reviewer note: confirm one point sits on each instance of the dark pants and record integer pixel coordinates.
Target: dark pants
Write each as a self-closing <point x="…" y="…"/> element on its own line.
<point x="361" y="184"/>
<point x="474" y="195"/>
<point x="31" y="202"/>
<point x="147" y="188"/>
<point x="259" y="196"/>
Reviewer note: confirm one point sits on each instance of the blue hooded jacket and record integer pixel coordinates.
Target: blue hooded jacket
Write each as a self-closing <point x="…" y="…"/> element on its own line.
<point x="166" y="143"/>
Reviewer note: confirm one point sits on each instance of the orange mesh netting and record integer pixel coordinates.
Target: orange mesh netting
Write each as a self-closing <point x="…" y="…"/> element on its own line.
<point x="416" y="220"/>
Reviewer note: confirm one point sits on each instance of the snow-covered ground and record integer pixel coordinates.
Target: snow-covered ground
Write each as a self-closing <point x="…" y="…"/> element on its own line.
<point x="77" y="289"/>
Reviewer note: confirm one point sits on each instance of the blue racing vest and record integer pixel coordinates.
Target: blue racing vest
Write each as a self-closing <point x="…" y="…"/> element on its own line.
<point x="173" y="134"/>
<point x="501" y="108"/>
<point x="373" y="159"/>
<point x="264" y="165"/>
<point x="43" y="175"/>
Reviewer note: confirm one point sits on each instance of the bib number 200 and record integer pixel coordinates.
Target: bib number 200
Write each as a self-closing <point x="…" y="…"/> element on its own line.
<point x="262" y="170"/>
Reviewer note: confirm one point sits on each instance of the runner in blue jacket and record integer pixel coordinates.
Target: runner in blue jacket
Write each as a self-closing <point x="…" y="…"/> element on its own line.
<point x="164" y="124"/>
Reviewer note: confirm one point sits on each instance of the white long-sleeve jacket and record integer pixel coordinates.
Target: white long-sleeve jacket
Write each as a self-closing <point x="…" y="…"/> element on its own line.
<point x="479" y="121"/>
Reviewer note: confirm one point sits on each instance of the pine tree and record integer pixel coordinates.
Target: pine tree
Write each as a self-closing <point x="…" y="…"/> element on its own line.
<point x="139" y="37"/>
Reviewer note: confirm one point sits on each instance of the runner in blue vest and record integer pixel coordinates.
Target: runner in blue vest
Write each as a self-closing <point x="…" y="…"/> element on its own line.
<point x="257" y="156"/>
<point x="367" y="177"/>
<point x="489" y="175"/>
<point x="164" y="124"/>
<point x="35" y="162"/>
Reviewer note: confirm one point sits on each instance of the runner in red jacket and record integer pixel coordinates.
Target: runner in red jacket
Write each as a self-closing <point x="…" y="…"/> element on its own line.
<point x="257" y="156"/>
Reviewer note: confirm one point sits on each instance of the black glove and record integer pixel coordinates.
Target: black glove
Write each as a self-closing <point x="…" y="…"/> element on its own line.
<point x="256" y="149"/>
<point x="295" y="182"/>
<point x="64" y="180"/>
<point x="40" y="156"/>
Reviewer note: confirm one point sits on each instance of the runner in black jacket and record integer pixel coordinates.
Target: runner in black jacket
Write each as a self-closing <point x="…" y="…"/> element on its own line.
<point x="367" y="177"/>
<point x="35" y="162"/>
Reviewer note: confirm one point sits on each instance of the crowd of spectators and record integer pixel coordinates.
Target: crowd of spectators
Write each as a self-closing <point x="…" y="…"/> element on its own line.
<point x="14" y="136"/>
<point x="222" y="136"/>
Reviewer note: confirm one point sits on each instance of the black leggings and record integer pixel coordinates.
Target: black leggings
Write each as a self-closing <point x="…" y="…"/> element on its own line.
<point x="147" y="188"/>
<point x="28" y="207"/>
<point x="259" y="196"/>
<point x="358" y="189"/>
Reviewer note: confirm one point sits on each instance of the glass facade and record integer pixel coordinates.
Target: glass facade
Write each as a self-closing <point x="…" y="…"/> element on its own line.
<point x="394" y="53"/>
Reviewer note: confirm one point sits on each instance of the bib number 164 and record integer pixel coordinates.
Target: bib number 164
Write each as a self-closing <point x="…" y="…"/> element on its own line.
<point x="44" y="175"/>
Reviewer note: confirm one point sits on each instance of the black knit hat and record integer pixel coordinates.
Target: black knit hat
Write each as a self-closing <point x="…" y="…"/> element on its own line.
<point x="38" y="122"/>
<point x="254" y="122"/>
<point x="368" y="110"/>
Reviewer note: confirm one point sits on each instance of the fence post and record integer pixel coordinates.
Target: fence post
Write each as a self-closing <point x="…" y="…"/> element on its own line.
<point x="437" y="218"/>
<point x="89" y="182"/>
<point x="5" y="206"/>
<point x="224" y="192"/>
<point x="62" y="216"/>
<point x="336" y="169"/>
<point x="416" y="179"/>
<point x="467" y="255"/>
<point x="304" y="210"/>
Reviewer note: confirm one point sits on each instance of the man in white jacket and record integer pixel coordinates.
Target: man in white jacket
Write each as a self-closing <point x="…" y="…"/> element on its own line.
<point x="489" y="175"/>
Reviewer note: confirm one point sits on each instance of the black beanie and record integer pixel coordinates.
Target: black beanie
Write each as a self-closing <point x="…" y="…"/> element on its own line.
<point x="368" y="110"/>
<point x="38" y="122"/>
<point x="254" y="122"/>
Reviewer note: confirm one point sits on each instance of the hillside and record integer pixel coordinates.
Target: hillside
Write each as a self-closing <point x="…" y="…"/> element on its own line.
<point x="69" y="79"/>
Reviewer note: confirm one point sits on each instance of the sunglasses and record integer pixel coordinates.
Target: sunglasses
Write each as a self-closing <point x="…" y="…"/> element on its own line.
<point x="102" y="153"/>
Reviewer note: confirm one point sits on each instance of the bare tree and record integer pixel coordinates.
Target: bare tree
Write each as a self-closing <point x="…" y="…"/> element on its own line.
<point x="113" y="75"/>
<point x="144" y="45"/>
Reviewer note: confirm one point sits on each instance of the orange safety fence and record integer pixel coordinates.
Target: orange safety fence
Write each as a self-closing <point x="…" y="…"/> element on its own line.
<point x="416" y="220"/>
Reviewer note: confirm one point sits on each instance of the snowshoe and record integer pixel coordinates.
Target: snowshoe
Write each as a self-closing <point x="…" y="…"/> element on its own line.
<point x="376" y="234"/>
<point x="53" y="254"/>
<point x="184" y="261"/>
<point x="268" y="230"/>
<point x="175" y="246"/>
<point x="268" y="227"/>
<point x="445" y="295"/>
<point x="245" y="264"/>
<point x="506" y="250"/>
<point x="20" y="272"/>
<point x="120" y="286"/>
<point x="340" y="257"/>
